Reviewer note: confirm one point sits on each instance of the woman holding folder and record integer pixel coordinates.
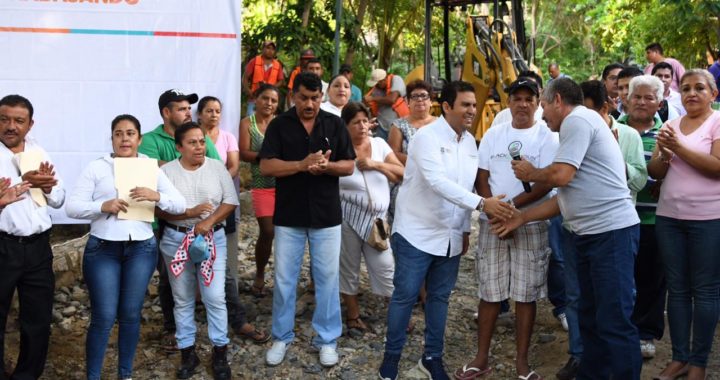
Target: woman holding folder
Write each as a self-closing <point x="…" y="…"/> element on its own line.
<point x="120" y="254"/>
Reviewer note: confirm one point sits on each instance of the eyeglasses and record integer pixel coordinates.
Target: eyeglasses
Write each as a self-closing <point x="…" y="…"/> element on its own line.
<point x="421" y="96"/>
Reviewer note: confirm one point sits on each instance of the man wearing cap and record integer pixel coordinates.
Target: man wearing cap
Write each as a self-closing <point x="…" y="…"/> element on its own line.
<point x="356" y="94"/>
<point x="25" y="254"/>
<point x="305" y="56"/>
<point x="515" y="267"/>
<point x="386" y="100"/>
<point x="264" y="68"/>
<point x="160" y="144"/>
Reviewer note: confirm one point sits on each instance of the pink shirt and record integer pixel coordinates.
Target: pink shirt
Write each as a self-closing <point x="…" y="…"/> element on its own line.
<point x="686" y="193"/>
<point x="226" y="142"/>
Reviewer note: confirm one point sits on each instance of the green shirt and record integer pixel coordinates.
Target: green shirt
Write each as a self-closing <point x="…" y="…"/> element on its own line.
<point x="159" y="145"/>
<point x="632" y="149"/>
<point x="646" y="203"/>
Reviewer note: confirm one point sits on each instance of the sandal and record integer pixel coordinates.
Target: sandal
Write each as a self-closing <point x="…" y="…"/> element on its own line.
<point x="168" y="342"/>
<point x="258" y="291"/>
<point x="531" y="376"/>
<point x="255" y="335"/>
<point x="471" y="373"/>
<point x="356" y="324"/>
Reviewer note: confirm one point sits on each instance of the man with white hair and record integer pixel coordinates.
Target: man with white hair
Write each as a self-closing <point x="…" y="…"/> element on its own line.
<point x="644" y="97"/>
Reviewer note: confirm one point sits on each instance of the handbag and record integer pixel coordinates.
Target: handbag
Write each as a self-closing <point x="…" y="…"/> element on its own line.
<point x="380" y="231"/>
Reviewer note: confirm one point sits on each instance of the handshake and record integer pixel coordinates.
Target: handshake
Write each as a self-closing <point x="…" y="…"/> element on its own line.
<point x="503" y="216"/>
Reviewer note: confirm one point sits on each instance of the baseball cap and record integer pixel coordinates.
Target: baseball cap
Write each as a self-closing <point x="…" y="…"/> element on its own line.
<point x="376" y="76"/>
<point x="175" y="96"/>
<point x="269" y="42"/>
<point x="525" y="83"/>
<point x="307" y="54"/>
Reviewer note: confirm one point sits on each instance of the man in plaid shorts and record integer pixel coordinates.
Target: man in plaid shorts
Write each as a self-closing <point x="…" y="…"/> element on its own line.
<point x="515" y="267"/>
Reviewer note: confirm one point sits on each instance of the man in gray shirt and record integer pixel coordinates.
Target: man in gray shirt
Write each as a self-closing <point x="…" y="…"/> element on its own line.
<point x="603" y="227"/>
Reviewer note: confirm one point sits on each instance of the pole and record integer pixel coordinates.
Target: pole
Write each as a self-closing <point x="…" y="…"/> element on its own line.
<point x="446" y="39"/>
<point x="428" y="45"/>
<point x="338" y="17"/>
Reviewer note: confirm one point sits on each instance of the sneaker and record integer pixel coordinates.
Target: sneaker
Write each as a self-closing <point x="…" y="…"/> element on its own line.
<point x="328" y="356"/>
<point x="433" y="368"/>
<point x="563" y="320"/>
<point x="569" y="371"/>
<point x="276" y="354"/>
<point x="647" y="348"/>
<point x="389" y="367"/>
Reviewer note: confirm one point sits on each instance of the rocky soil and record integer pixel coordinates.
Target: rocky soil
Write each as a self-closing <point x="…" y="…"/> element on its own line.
<point x="360" y="354"/>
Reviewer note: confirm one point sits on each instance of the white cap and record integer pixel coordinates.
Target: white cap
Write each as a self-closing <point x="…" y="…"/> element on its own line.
<point x="376" y="76"/>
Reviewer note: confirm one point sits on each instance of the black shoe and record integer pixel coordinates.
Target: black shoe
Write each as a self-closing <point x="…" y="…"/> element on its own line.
<point x="569" y="371"/>
<point x="220" y="367"/>
<point x="188" y="362"/>
<point x="433" y="367"/>
<point x="389" y="367"/>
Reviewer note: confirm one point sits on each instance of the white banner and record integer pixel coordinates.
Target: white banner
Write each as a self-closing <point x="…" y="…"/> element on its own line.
<point x="83" y="62"/>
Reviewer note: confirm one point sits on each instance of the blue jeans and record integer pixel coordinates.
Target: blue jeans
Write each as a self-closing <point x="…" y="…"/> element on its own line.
<point x="556" y="269"/>
<point x="185" y="285"/>
<point x="412" y="267"/>
<point x="605" y="272"/>
<point x="690" y="252"/>
<point x="117" y="274"/>
<point x="325" y="265"/>
<point x="572" y="295"/>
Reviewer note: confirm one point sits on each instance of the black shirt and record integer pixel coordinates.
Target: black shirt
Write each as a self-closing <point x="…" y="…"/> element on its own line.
<point x="302" y="199"/>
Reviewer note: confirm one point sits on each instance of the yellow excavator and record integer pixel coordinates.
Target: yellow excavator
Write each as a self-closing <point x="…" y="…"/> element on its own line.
<point x="493" y="54"/>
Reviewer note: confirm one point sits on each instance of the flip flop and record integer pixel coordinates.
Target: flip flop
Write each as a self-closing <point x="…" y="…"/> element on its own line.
<point x="256" y="336"/>
<point x="531" y="376"/>
<point x="471" y="373"/>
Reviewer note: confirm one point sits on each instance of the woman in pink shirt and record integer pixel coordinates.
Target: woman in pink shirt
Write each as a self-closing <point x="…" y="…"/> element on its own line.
<point x="687" y="159"/>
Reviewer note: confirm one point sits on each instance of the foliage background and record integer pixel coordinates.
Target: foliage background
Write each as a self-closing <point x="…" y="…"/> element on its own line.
<point x="580" y="35"/>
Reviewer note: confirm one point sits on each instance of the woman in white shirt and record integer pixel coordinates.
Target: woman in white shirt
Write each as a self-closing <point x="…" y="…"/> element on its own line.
<point x="364" y="197"/>
<point x="120" y="254"/>
<point x="338" y="95"/>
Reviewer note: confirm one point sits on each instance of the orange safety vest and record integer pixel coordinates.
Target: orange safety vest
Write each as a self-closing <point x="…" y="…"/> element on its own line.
<point x="294" y="73"/>
<point x="400" y="106"/>
<point x="259" y="73"/>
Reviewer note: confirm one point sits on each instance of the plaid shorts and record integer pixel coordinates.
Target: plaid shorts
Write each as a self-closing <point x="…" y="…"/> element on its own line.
<point x="515" y="267"/>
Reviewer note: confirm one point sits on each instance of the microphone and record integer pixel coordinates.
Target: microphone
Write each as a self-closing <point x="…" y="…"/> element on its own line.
<point x="514" y="150"/>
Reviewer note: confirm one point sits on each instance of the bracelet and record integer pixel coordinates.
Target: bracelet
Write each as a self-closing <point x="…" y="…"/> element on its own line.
<point x="481" y="205"/>
<point x="667" y="160"/>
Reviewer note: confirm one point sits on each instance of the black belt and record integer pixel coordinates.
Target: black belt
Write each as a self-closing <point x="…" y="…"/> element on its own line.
<point x="23" y="239"/>
<point x="185" y="230"/>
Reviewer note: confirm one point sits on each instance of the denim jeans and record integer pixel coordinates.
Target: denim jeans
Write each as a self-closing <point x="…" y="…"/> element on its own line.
<point x="690" y="252"/>
<point x="572" y="295"/>
<point x="325" y="264"/>
<point x="117" y="274"/>
<point x="412" y="267"/>
<point x="556" y="269"/>
<point x="649" y="312"/>
<point x="605" y="264"/>
<point x="185" y="284"/>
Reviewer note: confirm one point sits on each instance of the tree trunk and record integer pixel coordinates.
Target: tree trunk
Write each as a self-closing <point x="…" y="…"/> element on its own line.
<point x="306" y="20"/>
<point x="357" y="28"/>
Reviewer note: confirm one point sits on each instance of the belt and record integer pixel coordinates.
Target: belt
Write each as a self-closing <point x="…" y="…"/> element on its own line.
<point x="187" y="229"/>
<point x="23" y="239"/>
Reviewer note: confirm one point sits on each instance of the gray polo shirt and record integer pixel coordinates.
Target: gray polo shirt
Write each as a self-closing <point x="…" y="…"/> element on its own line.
<point x="597" y="200"/>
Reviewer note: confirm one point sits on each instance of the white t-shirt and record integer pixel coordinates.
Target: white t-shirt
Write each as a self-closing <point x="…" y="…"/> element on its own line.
<point x="210" y="182"/>
<point x="504" y="116"/>
<point x="329" y="107"/>
<point x="354" y="194"/>
<point x="539" y="146"/>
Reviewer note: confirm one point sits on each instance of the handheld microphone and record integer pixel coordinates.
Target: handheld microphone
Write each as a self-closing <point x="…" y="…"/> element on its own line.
<point x="514" y="150"/>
